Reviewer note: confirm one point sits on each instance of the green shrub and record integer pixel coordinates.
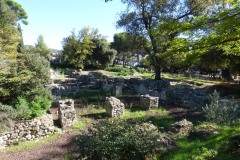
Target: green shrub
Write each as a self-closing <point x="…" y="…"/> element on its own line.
<point x="221" y="112"/>
<point x="22" y="109"/>
<point x="121" y="71"/>
<point x="27" y="110"/>
<point x="205" y="154"/>
<point x="7" y="114"/>
<point x="39" y="106"/>
<point x="119" y="140"/>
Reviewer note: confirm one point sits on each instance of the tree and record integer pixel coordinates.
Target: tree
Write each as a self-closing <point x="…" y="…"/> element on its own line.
<point x="122" y="45"/>
<point x="77" y="47"/>
<point x="23" y="72"/>
<point x="102" y="56"/>
<point x="127" y="45"/>
<point x="42" y="48"/>
<point x="10" y="13"/>
<point x="162" y="22"/>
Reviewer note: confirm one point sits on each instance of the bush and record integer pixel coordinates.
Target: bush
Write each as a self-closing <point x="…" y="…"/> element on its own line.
<point x="119" y="140"/>
<point x="22" y="109"/>
<point x="221" y="112"/>
<point x="205" y="154"/>
<point x="26" y="110"/>
<point x="39" y="106"/>
<point x="6" y="116"/>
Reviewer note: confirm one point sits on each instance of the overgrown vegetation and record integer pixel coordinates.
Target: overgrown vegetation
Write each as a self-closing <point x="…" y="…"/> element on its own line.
<point x="221" y="112"/>
<point x="119" y="140"/>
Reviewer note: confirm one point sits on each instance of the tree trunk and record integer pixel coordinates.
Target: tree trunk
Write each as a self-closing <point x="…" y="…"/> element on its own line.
<point x="157" y="71"/>
<point x="124" y="65"/>
<point x="226" y="74"/>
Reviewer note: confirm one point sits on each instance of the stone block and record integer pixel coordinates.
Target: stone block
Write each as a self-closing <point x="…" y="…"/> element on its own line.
<point x="67" y="113"/>
<point x="148" y="102"/>
<point x="117" y="90"/>
<point x="114" y="107"/>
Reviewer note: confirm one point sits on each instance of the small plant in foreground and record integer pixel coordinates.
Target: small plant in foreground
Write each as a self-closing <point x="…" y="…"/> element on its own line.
<point x="221" y="112"/>
<point x="119" y="140"/>
<point x="205" y="154"/>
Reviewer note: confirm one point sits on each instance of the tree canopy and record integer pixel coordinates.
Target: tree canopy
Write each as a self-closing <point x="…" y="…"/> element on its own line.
<point x="181" y="29"/>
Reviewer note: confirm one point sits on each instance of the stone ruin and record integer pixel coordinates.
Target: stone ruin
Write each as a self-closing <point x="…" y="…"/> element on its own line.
<point x="148" y="102"/>
<point x="114" y="107"/>
<point x="183" y="127"/>
<point x="117" y="90"/>
<point x="66" y="113"/>
<point x="27" y="130"/>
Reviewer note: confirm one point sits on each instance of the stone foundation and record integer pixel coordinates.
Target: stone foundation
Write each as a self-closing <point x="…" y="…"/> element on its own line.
<point x="114" y="107"/>
<point x="66" y="113"/>
<point x="148" y="102"/>
<point x="28" y="130"/>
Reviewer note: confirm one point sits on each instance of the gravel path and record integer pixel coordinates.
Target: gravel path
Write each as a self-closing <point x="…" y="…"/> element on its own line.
<point x="55" y="150"/>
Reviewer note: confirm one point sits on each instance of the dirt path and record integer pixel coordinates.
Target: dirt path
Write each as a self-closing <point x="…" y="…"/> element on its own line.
<point x="55" y="150"/>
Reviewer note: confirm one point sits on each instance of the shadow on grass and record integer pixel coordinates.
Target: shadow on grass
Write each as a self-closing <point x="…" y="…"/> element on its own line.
<point x="190" y="148"/>
<point x="96" y="116"/>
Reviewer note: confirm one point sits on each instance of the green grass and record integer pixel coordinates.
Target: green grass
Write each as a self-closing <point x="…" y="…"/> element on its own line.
<point x="190" y="148"/>
<point x="90" y="95"/>
<point x="23" y="146"/>
<point x="180" y="77"/>
<point x="142" y="115"/>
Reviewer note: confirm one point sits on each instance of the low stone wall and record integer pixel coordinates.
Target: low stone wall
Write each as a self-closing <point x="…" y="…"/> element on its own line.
<point x="148" y="102"/>
<point x="28" y="130"/>
<point x="66" y="113"/>
<point x="114" y="107"/>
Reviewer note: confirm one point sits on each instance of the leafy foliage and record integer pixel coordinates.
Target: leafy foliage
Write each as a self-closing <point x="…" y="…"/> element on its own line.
<point x="42" y="48"/>
<point x="223" y="113"/>
<point x="23" y="72"/>
<point x="119" y="140"/>
<point x="204" y="154"/>
<point x="87" y="49"/>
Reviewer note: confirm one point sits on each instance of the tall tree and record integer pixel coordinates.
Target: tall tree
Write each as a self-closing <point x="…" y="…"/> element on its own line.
<point x="42" y="48"/>
<point x="10" y="13"/>
<point x="102" y="56"/>
<point x="142" y="17"/>
<point x="128" y="45"/>
<point x="76" y="48"/>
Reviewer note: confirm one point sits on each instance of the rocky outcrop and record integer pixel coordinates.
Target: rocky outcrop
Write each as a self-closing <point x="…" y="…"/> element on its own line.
<point x="182" y="128"/>
<point x="114" y="107"/>
<point x="66" y="113"/>
<point x="28" y="130"/>
<point x="148" y="102"/>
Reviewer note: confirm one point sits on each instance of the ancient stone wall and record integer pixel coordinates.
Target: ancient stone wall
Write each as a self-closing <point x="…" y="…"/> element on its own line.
<point x="114" y="107"/>
<point x="66" y="113"/>
<point x="148" y="102"/>
<point x="28" y="130"/>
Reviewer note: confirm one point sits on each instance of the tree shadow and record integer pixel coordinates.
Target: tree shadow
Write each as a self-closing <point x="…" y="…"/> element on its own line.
<point x="96" y="116"/>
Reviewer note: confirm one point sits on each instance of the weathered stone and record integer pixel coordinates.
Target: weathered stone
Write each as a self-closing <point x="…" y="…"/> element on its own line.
<point x="114" y="107"/>
<point x="27" y="130"/>
<point x="149" y="102"/>
<point x="117" y="90"/>
<point x="186" y="97"/>
<point x="67" y="113"/>
<point x="183" y="127"/>
<point x="2" y="143"/>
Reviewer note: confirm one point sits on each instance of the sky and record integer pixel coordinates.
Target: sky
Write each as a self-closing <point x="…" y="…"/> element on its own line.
<point x="55" y="19"/>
